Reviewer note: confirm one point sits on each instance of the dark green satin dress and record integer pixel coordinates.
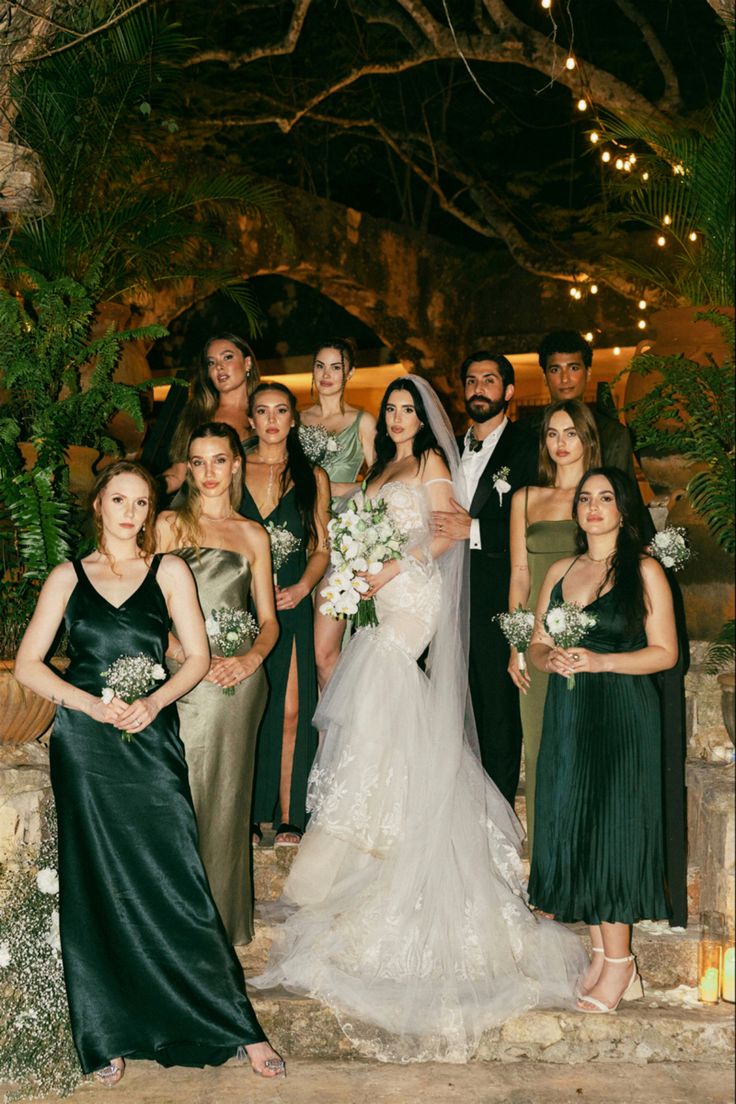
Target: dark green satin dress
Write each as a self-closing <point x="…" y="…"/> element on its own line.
<point x="297" y="634"/>
<point x="599" y="841"/>
<point x="546" y="542"/>
<point x="150" y="972"/>
<point x="219" y="732"/>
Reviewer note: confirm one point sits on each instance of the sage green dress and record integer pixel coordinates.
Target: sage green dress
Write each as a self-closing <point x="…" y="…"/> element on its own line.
<point x="343" y="466"/>
<point x="599" y="844"/>
<point x="546" y="542"/>
<point x="219" y="732"/>
<point x="297" y="634"/>
<point x="150" y="972"/>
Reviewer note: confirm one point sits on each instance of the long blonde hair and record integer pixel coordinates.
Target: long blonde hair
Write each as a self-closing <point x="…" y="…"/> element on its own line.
<point x="204" y="398"/>
<point x="581" y="417"/>
<point x="186" y="523"/>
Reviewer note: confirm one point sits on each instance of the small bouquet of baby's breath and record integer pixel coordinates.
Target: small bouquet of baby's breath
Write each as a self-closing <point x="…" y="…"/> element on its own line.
<point x="517" y="627"/>
<point x="227" y="628"/>
<point x="671" y="548"/>
<point x="37" y="1054"/>
<point x="318" y="443"/>
<point x="283" y="543"/>
<point x="567" y="624"/>
<point x="129" y="678"/>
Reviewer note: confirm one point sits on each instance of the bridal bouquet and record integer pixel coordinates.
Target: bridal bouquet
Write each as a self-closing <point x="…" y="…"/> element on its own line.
<point x="567" y="624"/>
<point x="517" y="627"/>
<point x="129" y="678"/>
<point x="670" y="547"/>
<point x="318" y="443"/>
<point x="227" y="628"/>
<point x="283" y="543"/>
<point x="362" y="538"/>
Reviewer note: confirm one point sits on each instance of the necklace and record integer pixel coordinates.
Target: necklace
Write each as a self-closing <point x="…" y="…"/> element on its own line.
<point x="602" y="560"/>
<point x="211" y="517"/>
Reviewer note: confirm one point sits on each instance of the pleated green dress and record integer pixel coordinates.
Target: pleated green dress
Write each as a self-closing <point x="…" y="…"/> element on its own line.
<point x="150" y="972"/>
<point x="297" y="633"/>
<point x="219" y="732"/>
<point x="599" y="839"/>
<point x="546" y="542"/>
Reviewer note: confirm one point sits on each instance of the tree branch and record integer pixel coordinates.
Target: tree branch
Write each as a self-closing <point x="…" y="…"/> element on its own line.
<point x="287" y="45"/>
<point x="670" y="99"/>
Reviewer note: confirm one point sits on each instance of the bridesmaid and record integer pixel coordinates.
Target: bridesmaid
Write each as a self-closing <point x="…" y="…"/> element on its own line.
<point x="543" y="531"/>
<point x="223" y="381"/>
<point x="599" y="852"/>
<point x="283" y="490"/>
<point x="355" y="431"/>
<point x="149" y="970"/>
<point x="230" y="559"/>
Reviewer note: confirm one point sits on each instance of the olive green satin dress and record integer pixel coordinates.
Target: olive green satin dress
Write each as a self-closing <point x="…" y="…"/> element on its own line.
<point x="150" y="972"/>
<point x="219" y="732"/>
<point x="546" y="542"/>
<point x="343" y="466"/>
<point x="599" y="843"/>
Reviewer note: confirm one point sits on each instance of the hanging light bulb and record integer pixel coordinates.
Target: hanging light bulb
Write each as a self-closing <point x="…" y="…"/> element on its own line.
<point x="661" y="240"/>
<point x="641" y="324"/>
<point x="546" y="4"/>
<point x="619" y="163"/>
<point x="642" y="304"/>
<point x="582" y="105"/>
<point x="645" y="176"/>
<point x="693" y="236"/>
<point x="570" y="63"/>
<point x="588" y="336"/>
<point x="606" y="156"/>
<point x="593" y="289"/>
<point x="667" y="220"/>
<point x="594" y="136"/>
<point x="632" y="158"/>
<point x="679" y="170"/>
<point x="617" y="350"/>
<point x="627" y="166"/>
<point x="573" y="291"/>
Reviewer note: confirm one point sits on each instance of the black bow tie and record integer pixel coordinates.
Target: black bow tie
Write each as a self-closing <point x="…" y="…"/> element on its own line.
<point x="473" y="443"/>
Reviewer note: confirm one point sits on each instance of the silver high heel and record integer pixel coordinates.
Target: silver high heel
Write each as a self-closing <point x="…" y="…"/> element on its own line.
<point x="110" y="1074"/>
<point x="633" y="991"/>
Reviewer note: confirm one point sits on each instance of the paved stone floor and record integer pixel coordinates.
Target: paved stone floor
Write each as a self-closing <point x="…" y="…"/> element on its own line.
<point x="355" y="1082"/>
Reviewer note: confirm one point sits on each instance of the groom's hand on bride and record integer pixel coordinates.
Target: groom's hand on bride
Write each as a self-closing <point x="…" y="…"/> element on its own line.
<point x="453" y="524"/>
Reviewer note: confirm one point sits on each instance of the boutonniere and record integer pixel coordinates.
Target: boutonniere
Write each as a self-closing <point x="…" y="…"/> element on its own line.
<point x="501" y="483"/>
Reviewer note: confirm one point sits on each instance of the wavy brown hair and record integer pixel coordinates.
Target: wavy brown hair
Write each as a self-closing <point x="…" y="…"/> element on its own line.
<point x="185" y="524"/>
<point x="584" y="422"/>
<point x="146" y="538"/>
<point x="204" y="398"/>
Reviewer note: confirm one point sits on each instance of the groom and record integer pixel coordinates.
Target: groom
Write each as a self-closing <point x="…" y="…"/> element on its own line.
<point x="498" y="457"/>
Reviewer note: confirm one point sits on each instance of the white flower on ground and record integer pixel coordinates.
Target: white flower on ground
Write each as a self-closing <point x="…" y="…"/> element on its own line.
<point x="47" y="880"/>
<point x="5" y="958"/>
<point x="53" y="937"/>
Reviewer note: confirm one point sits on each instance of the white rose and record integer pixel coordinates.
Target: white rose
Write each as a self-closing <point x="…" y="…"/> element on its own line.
<point x="502" y="486"/>
<point x="668" y="561"/>
<point x="231" y="635"/>
<point x="5" y="958"/>
<point x="107" y="694"/>
<point x="47" y="880"/>
<point x="53" y="937"/>
<point x="661" y="539"/>
<point x="555" y="621"/>
<point x="158" y="672"/>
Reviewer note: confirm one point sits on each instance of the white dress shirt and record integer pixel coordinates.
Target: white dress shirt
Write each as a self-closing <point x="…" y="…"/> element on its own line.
<point x="473" y="464"/>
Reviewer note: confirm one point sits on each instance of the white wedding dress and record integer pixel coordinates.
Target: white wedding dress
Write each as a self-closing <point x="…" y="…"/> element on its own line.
<point x="405" y="907"/>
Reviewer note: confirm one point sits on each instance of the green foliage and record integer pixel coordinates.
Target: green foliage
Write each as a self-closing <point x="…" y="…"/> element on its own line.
<point x="721" y="652"/>
<point x="44" y="345"/>
<point x="690" y="182"/>
<point x="37" y="1052"/>
<point x="691" y="411"/>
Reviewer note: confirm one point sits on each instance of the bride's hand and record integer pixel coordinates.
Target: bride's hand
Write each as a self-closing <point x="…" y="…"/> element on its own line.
<point x="388" y="572"/>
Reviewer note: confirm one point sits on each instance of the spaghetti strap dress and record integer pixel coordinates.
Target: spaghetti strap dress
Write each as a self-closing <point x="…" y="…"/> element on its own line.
<point x="546" y="542"/>
<point x="599" y="840"/>
<point x="297" y="634"/>
<point x="343" y="465"/>
<point x="149" y="970"/>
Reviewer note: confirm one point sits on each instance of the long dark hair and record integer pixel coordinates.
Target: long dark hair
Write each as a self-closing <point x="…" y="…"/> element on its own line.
<point x="425" y="440"/>
<point x="297" y="469"/>
<point x="624" y="570"/>
<point x="584" y="422"/>
<point x="204" y="398"/>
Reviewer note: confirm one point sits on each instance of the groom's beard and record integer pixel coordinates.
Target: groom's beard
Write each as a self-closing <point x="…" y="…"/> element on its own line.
<point x="481" y="409"/>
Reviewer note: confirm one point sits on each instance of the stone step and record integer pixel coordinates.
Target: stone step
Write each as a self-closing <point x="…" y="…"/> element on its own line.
<point x="644" y="1031"/>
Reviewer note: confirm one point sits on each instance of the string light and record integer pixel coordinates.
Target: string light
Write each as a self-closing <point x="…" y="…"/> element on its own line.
<point x="661" y="240"/>
<point x="627" y="166"/>
<point x="693" y="236"/>
<point x="546" y="4"/>
<point x="645" y="176"/>
<point x="619" y="163"/>
<point x="593" y="289"/>
<point x="667" y="220"/>
<point x="617" y="350"/>
<point x="588" y="336"/>
<point x="582" y="105"/>
<point x="678" y="170"/>
<point x="606" y="156"/>
<point x="641" y="324"/>
<point x="570" y="63"/>
<point x="632" y="158"/>
<point x="642" y="304"/>
<point x="594" y="136"/>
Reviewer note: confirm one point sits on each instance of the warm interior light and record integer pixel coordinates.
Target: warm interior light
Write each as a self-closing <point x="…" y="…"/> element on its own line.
<point x="617" y="350"/>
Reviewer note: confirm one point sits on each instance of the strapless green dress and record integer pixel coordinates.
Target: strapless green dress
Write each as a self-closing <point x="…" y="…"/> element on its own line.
<point x="219" y="732"/>
<point x="546" y="542"/>
<point x="599" y="842"/>
<point x="343" y="466"/>
<point x="150" y="972"/>
<point x="297" y="634"/>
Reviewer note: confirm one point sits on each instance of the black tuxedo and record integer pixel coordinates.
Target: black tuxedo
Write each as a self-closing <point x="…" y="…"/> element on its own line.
<point x="495" y="698"/>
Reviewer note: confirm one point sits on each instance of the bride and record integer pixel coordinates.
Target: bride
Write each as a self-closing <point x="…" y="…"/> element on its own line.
<point x="405" y="909"/>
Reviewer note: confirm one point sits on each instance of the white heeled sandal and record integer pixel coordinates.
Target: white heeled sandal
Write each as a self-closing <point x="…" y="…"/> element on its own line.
<point x="633" y="991"/>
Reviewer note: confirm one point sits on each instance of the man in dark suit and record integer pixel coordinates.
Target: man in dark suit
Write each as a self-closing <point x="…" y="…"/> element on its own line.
<point x="498" y="457"/>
